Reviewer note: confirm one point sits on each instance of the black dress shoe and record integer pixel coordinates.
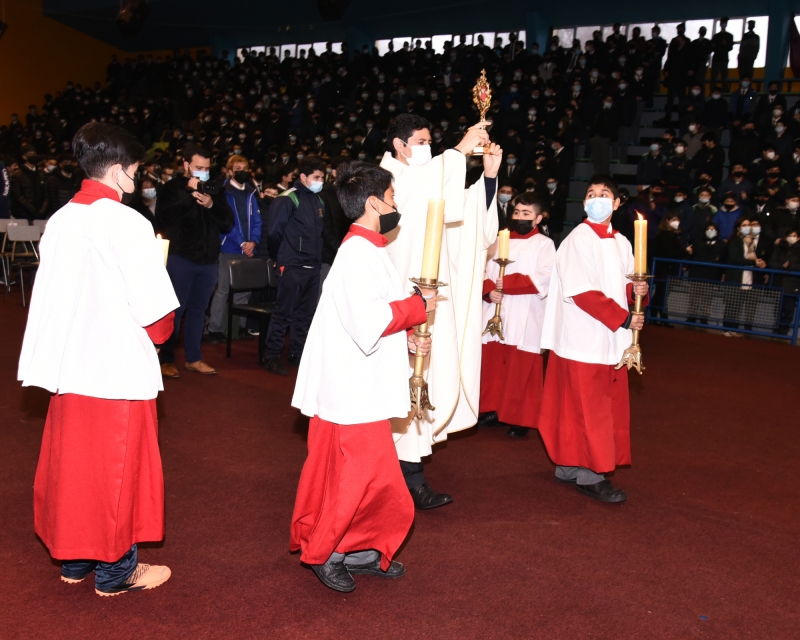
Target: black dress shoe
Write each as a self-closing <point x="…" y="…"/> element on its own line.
<point x="517" y="432"/>
<point x="395" y="570"/>
<point x="243" y="334"/>
<point x="334" y="575"/>
<point x="274" y="365"/>
<point x="487" y="419"/>
<point x="214" y="337"/>
<point x="426" y="498"/>
<point x="295" y="360"/>
<point x="602" y="491"/>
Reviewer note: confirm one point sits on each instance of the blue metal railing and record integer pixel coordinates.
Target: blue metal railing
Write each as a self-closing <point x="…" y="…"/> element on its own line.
<point x="768" y="280"/>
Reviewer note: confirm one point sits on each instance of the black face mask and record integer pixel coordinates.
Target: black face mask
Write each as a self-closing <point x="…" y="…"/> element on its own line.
<point x="522" y="227"/>
<point x="127" y="198"/>
<point x="241" y="176"/>
<point x="389" y="221"/>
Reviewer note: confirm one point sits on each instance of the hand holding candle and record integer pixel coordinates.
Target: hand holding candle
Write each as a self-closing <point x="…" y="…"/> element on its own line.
<point x="164" y="247"/>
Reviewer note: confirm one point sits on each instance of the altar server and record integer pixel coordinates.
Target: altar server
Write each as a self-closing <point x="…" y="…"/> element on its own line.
<point x="585" y="418"/>
<point x="353" y="510"/>
<point x="512" y="370"/>
<point x="102" y="298"/>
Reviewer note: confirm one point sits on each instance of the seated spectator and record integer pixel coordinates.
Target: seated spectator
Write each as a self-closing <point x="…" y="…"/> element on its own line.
<point x="29" y="187"/>
<point x="710" y="159"/>
<point x="650" y="166"/>
<point x="62" y="183"/>
<point x="786" y="218"/>
<point x="145" y="201"/>
<point x="702" y="214"/>
<point x="716" y="112"/>
<point x="694" y="138"/>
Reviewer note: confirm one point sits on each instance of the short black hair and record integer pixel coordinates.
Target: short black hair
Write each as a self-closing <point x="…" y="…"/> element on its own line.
<point x="190" y="150"/>
<point x="311" y="164"/>
<point x="530" y="199"/>
<point x="709" y="136"/>
<point x="356" y="182"/>
<point x="100" y="145"/>
<point x="403" y="127"/>
<point x="605" y="181"/>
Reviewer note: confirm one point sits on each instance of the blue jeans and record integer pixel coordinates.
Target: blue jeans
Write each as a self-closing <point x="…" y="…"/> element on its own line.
<point x="193" y="284"/>
<point x="107" y="575"/>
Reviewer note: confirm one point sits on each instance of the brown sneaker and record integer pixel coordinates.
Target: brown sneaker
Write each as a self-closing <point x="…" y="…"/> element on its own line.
<point x="169" y="370"/>
<point x="145" y="576"/>
<point x="200" y="367"/>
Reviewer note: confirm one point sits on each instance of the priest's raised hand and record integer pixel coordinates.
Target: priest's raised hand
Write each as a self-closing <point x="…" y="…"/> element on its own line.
<point x="492" y="160"/>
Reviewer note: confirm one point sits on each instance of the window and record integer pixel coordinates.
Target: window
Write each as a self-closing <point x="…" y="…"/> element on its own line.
<point x="584" y="34"/>
<point x="645" y="27"/>
<point x="288" y="50"/>
<point x="438" y="42"/>
<point x="607" y="31"/>
<point x="693" y="28"/>
<point x="488" y="38"/>
<point x="303" y="49"/>
<point x="382" y="47"/>
<point x="399" y="42"/>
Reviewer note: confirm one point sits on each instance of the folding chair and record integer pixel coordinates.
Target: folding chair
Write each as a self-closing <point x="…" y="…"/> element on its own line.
<point x="249" y="275"/>
<point x="23" y="253"/>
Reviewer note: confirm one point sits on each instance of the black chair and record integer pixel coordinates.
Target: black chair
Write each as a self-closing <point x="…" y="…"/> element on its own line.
<point x="251" y="275"/>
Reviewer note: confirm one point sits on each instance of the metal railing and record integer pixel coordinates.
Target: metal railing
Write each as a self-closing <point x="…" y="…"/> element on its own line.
<point x="762" y="308"/>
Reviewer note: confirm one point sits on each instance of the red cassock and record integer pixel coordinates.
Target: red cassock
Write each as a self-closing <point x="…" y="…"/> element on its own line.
<point x="99" y="486"/>
<point x="511" y="384"/>
<point x="351" y="495"/>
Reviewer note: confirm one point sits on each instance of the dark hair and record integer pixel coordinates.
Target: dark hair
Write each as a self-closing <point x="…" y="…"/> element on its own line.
<point x="310" y="165"/>
<point x="532" y="200"/>
<point x="664" y="224"/>
<point x="403" y="127"/>
<point x="191" y="150"/>
<point x="730" y="195"/>
<point x="99" y="145"/>
<point x="606" y="181"/>
<point x="356" y="181"/>
<point x="709" y="136"/>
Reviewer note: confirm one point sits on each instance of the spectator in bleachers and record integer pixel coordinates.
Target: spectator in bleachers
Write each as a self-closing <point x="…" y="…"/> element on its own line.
<point x="651" y="166"/>
<point x="721" y="46"/>
<point x="666" y="244"/>
<point x="604" y="131"/>
<point x="745" y="145"/>
<point x="743" y="101"/>
<point x="773" y="182"/>
<point x="694" y="137"/>
<point x="701" y="49"/>
<point x="707" y="247"/>
<point x="710" y="159"/>
<point x="62" y="183"/>
<point x="767" y="104"/>
<point x="677" y="168"/>
<point x="5" y="190"/>
<point x="748" y="50"/>
<point x="145" y="202"/>
<point x="715" y="115"/>
<point x="504" y="195"/>
<point x="738" y="184"/>
<point x="786" y="217"/>
<point x="29" y="187"/>
<point x="703" y="214"/>
<point x="786" y="256"/>
<point x="727" y="215"/>
<point x="676" y="70"/>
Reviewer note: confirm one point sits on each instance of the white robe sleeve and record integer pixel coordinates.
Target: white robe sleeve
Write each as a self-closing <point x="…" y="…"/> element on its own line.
<point x="148" y="288"/>
<point x="577" y="269"/>
<point x="544" y="268"/>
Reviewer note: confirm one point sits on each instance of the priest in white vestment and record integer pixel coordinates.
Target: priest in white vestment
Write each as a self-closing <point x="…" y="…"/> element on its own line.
<point x="453" y="368"/>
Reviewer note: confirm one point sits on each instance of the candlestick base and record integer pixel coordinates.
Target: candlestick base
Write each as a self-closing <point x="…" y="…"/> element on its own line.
<point x="632" y="358"/>
<point x="428" y="283"/>
<point x="419" y="395"/>
<point x="495" y="325"/>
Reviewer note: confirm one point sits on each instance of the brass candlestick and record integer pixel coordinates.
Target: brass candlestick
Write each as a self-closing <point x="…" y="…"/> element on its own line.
<point x="495" y="325"/>
<point x="482" y="97"/>
<point x="417" y="385"/>
<point x="632" y="356"/>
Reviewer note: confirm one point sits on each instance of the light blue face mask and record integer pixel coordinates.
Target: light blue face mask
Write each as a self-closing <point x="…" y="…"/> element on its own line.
<point x="315" y="187"/>
<point x="203" y="176"/>
<point x="598" y="209"/>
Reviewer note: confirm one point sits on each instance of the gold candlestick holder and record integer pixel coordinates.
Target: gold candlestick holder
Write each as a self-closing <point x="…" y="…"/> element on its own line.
<point x="495" y="325"/>
<point x="420" y="401"/>
<point x="482" y="97"/>
<point x="632" y="356"/>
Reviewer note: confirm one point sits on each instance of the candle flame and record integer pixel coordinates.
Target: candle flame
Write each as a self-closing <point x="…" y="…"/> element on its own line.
<point x="641" y="217"/>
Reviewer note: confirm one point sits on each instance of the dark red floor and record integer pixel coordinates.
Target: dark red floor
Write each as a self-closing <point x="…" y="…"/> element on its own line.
<point x="706" y="547"/>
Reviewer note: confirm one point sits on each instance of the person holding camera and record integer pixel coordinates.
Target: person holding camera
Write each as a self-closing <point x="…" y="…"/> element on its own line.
<point x="191" y="213"/>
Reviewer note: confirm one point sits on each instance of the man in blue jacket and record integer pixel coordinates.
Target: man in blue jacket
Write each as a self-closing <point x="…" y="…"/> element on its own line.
<point x="241" y="242"/>
<point x="295" y="243"/>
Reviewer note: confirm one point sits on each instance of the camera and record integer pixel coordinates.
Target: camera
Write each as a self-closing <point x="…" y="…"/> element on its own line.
<point x="209" y="188"/>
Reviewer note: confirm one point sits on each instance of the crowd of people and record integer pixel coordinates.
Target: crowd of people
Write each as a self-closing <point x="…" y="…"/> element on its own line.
<point x="551" y="104"/>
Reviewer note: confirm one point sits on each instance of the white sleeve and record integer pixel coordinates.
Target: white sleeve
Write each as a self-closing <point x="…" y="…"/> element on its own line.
<point x="140" y="258"/>
<point x="361" y="303"/>
<point x="544" y="268"/>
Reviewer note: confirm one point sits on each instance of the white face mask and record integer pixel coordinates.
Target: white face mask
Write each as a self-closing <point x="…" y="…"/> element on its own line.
<point x="755" y="230"/>
<point x="745" y="231"/>
<point x="793" y="205"/>
<point x="711" y="234"/>
<point x="679" y="199"/>
<point x="420" y="154"/>
<point x="504" y="197"/>
<point x="675" y="224"/>
<point x="703" y="200"/>
<point x="599" y="209"/>
<point x="791" y="240"/>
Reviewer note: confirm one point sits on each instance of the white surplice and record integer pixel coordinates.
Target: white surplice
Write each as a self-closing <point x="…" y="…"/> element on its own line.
<point x="453" y="369"/>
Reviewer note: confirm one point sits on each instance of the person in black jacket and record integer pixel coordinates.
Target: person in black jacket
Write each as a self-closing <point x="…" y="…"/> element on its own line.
<point x="710" y="159"/>
<point x="666" y="244"/>
<point x="295" y="239"/>
<point x="787" y="257"/>
<point x="604" y="131"/>
<point x="707" y="248"/>
<point x="62" y="184"/>
<point x="29" y="187"/>
<point x="192" y="222"/>
<point x="334" y="223"/>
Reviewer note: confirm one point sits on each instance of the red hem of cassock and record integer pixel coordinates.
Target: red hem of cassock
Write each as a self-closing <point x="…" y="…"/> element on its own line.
<point x="351" y="495"/>
<point x="585" y="419"/>
<point x="516" y="394"/>
<point x="99" y="485"/>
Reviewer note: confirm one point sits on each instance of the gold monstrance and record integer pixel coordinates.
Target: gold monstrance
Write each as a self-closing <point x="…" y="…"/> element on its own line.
<point x="482" y="97"/>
